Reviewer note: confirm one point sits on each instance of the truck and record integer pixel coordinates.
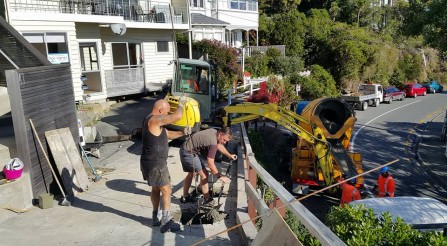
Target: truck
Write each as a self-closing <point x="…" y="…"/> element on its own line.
<point x="366" y="95"/>
<point x="321" y="155"/>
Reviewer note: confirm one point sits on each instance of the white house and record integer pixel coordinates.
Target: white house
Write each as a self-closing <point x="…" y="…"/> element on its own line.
<point x="231" y="18"/>
<point x="115" y="47"/>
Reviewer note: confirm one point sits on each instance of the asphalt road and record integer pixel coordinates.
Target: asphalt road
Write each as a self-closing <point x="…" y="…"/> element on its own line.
<point x="387" y="132"/>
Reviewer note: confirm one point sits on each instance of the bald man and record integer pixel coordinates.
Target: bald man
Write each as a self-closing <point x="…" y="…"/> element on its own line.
<point x="154" y="157"/>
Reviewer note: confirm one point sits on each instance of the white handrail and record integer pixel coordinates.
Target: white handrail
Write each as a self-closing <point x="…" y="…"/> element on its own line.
<point x="251" y="83"/>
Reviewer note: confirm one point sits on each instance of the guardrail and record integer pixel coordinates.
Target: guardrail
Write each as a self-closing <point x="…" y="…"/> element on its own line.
<point x="256" y="204"/>
<point x="253" y="85"/>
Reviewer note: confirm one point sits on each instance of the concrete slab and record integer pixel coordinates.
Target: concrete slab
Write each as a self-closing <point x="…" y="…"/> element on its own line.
<point x="117" y="209"/>
<point x="5" y="106"/>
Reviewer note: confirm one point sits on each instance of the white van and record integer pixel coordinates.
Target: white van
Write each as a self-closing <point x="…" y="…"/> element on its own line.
<point x="422" y="213"/>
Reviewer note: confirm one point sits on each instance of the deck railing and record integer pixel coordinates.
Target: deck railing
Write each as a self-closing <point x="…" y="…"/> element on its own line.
<point x="256" y="204"/>
<point x="122" y="82"/>
<point x="136" y="11"/>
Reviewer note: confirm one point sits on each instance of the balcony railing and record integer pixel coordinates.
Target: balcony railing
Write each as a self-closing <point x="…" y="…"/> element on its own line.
<point x="122" y="82"/>
<point x="130" y="10"/>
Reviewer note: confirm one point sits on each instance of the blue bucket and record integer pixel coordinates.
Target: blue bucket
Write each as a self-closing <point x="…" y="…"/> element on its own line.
<point x="300" y="106"/>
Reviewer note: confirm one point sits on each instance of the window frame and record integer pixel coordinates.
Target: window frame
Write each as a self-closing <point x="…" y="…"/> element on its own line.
<point x="159" y="43"/>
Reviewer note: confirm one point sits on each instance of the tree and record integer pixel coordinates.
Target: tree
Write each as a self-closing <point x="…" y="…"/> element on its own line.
<point x="226" y="59"/>
<point x="257" y="64"/>
<point x="289" y="31"/>
<point x="272" y="7"/>
<point x="318" y="84"/>
<point x="319" y="27"/>
<point x="266" y="27"/>
<point x="435" y="29"/>
<point x="351" y="50"/>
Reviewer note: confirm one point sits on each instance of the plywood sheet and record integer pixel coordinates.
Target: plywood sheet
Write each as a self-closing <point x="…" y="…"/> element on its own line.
<point x="68" y="160"/>
<point x="275" y="231"/>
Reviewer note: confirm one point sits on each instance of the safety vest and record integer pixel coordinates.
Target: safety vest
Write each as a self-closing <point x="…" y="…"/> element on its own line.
<point x="193" y="83"/>
<point x="386" y="185"/>
<point x="349" y="194"/>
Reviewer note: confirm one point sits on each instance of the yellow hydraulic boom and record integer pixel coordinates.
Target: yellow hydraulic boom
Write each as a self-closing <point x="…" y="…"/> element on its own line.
<point x="324" y="128"/>
<point x="287" y="119"/>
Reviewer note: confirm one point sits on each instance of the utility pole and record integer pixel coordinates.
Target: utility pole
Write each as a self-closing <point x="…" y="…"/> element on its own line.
<point x="190" y="30"/>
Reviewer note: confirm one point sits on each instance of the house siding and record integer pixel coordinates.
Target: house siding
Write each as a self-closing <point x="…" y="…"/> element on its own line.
<point x="73" y="47"/>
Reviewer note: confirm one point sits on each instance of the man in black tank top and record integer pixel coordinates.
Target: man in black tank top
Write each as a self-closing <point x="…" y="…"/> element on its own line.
<point x="154" y="157"/>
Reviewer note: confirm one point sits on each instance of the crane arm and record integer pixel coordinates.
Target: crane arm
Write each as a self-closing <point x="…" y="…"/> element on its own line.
<point x="286" y="118"/>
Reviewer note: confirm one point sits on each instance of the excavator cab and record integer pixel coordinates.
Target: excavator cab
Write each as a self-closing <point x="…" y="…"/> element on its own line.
<point x="193" y="79"/>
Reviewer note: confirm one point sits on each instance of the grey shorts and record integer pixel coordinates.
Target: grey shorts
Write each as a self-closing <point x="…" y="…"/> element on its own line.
<point x="190" y="162"/>
<point x="158" y="176"/>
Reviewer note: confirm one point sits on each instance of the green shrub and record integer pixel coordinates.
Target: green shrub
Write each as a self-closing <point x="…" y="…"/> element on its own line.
<point x="257" y="64"/>
<point x="300" y="230"/>
<point x="226" y="59"/>
<point x="359" y="226"/>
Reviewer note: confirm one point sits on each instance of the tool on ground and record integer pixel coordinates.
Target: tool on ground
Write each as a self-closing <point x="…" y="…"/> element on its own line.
<point x="64" y="201"/>
<point x="84" y="154"/>
<point x="223" y="184"/>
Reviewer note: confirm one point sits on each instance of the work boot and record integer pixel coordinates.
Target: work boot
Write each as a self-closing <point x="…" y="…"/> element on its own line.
<point x="208" y="203"/>
<point x="155" y="220"/>
<point x="188" y="198"/>
<point x="171" y="226"/>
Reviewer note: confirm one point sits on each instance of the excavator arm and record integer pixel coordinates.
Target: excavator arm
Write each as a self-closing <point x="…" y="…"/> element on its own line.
<point x="287" y="119"/>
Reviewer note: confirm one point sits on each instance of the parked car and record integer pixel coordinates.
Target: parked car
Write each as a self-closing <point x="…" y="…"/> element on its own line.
<point x="391" y="94"/>
<point x="414" y="90"/>
<point x="422" y="213"/>
<point x="433" y="87"/>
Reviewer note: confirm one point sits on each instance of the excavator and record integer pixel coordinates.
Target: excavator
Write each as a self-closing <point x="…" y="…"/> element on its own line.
<point x="323" y="128"/>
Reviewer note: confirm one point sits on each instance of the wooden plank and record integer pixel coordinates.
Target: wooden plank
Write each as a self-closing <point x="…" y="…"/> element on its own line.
<point x="68" y="160"/>
<point x="275" y="231"/>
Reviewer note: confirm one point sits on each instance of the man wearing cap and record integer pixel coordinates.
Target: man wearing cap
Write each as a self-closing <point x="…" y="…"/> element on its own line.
<point x="348" y="192"/>
<point x="385" y="184"/>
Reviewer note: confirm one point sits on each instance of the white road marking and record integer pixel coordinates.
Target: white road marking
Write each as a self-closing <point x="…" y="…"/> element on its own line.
<point x="357" y="132"/>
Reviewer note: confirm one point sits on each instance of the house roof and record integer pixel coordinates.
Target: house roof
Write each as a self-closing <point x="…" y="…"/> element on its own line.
<point x="200" y="19"/>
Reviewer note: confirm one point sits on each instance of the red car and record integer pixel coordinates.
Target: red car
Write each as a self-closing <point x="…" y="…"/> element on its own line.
<point x="391" y="94"/>
<point x="415" y="89"/>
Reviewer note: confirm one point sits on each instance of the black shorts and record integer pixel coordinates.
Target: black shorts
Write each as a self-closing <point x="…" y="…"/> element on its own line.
<point x="158" y="176"/>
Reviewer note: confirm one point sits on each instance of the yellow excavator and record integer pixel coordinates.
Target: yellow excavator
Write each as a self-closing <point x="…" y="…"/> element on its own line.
<point x="323" y="128"/>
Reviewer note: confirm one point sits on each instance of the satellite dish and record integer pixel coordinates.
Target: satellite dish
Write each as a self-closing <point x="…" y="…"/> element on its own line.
<point x="118" y="29"/>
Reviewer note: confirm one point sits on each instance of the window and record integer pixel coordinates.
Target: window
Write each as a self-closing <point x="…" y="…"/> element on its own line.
<point x="193" y="79"/>
<point x="52" y="45"/>
<point x="89" y="57"/>
<point x="197" y="3"/>
<point x="250" y="5"/>
<point x="162" y="46"/>
<point x="126" y="55"/>
<point x="208" y="35"/>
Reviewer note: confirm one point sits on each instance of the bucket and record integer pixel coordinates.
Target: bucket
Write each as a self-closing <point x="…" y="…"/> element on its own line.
<point x="12" y="174"/>
<point x="300" y="106"/>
